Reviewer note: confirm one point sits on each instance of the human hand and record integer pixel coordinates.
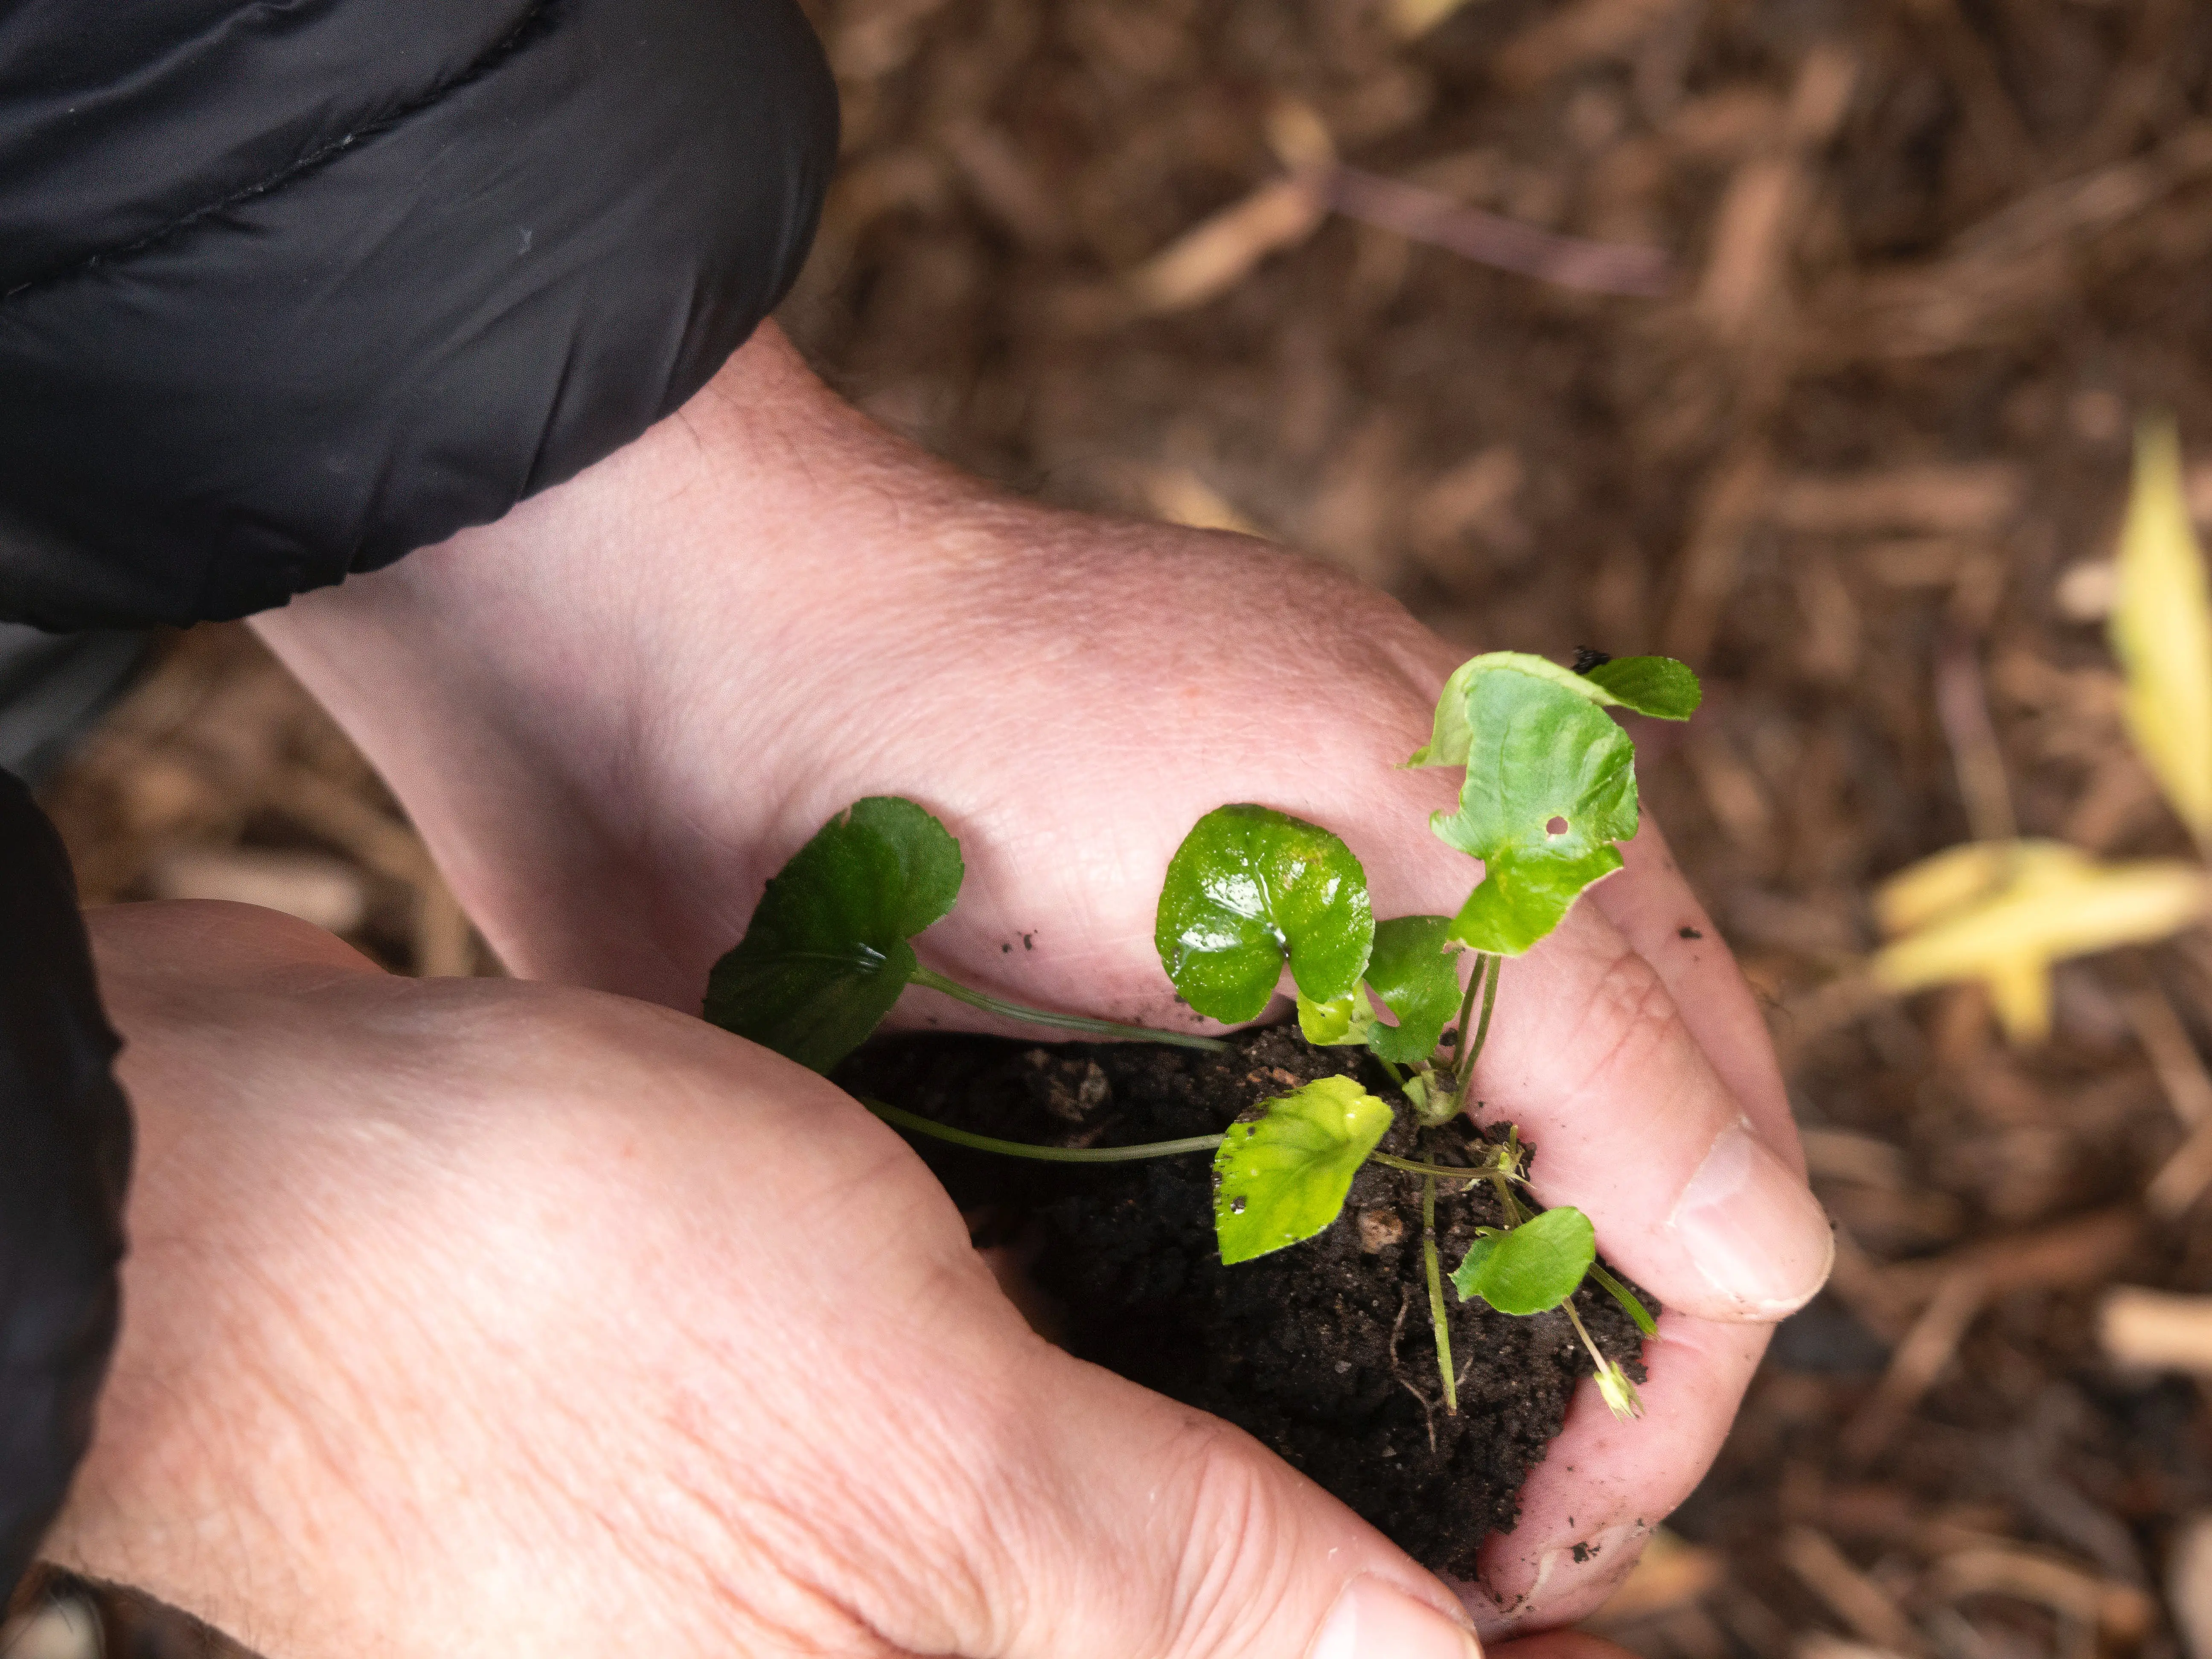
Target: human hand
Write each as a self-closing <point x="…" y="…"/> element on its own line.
<point x="616" y="713"/>
<point x="472" y="1316"/>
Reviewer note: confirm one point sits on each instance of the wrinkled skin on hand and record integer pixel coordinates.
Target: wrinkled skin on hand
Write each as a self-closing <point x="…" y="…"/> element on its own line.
<point x="474" y="1317"/>
<point x="616" y="712"/>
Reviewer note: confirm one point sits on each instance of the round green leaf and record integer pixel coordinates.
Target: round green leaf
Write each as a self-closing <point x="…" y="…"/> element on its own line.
<point x="1414" y="970"/>
<point x="1249" y="887"/>
<point x="1283" y="1177"/>
<point x="1550" y="785"/>
<point x="1658" y="686"/>
<point x="827" y="954"/>
<point x="1533" y="1268"/>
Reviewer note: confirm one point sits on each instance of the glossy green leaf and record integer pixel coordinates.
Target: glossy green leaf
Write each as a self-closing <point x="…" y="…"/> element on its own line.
<point x="826" y="955"/>
<point x="1414" y="969"/>
<point x="1658" y="686"/>
<point x="1283" y="1177"/>
<point x="1249" y="888"/>
<point x="1533" y="1268"/>
<point x="1550" y="785"/>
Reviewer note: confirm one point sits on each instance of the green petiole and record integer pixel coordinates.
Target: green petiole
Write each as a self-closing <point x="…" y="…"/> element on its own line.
<point x="1444" y="1170"/>
<point x="1434" y="1269"/>
<point x="1104" y="1027"/>
<point x="922" y="1126"/>
<point x="1620" y="1293"/>
<point x="1466" y="1068"/>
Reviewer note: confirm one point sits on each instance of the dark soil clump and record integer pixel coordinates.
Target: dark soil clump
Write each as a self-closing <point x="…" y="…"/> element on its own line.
<point x="1324" y="1351"/>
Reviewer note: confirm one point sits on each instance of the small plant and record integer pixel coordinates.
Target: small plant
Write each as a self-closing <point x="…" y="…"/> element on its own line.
<point x="1549" y="790"/>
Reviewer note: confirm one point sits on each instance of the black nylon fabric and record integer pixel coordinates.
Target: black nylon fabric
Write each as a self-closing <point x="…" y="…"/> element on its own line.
<point x="289" y="288"/>
<point x="64" y="1161"/>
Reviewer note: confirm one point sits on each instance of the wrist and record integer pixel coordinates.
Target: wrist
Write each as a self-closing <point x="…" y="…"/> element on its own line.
<point x="559" y="659"/>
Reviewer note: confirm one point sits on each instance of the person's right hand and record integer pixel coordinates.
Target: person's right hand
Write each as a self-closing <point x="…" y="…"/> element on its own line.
<point x="472" y="1316"/>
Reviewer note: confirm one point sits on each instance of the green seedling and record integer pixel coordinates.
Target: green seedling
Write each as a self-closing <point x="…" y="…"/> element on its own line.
<point x="1251" y="894"/>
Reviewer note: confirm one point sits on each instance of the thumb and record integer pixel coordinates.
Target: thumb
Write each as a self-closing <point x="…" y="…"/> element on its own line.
<point x="1145" y="1529"/>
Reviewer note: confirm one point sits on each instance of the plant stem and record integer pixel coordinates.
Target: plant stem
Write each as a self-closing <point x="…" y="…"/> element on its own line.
<point x="1397" y="1076"/>
<point x="1481" y="1032"/>
<point x="1435" y="1271"/>
<point x="1444" y="1171"/>
<point x="1629" y="1305"/>
<point x="1467" y="1011"/>
<point x="922" y="1126"/>
<point x="1105" y="1028"/>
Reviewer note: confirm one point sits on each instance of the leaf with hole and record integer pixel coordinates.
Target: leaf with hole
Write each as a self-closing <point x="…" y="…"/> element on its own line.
<point x="826" y="954"/>
<point x="1414" y="971"/>
<point x="1283" y="1177"/>
<point x="1658" y="686"/>
<point x="1533" y="1268"/>
<point x="1550" y="785"/>
<point x="1250" y="888"/>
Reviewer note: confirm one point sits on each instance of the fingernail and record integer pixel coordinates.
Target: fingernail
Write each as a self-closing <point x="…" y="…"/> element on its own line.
<point x="1375" y="1621"/>
<point x="1754" y="1229"/>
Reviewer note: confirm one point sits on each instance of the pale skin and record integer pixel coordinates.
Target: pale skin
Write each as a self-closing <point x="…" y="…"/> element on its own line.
<point x="540" y="1339"/>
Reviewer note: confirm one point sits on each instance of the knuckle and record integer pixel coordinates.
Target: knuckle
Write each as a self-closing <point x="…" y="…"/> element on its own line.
<point x="1233" y="1563"/>
<point x="1630" y="1023"/>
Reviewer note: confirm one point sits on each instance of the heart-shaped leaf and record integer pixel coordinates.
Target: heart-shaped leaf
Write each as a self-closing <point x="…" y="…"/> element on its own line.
<point x="1249" y="888"/>
<point x="1550" y="785"/>
<point x="1533" y="1268"/>
<point x="1414" y="969"/>
<point x="1283" y="1177"/>
<point x="826" y="955"/>
<point x="1658" y="686"/>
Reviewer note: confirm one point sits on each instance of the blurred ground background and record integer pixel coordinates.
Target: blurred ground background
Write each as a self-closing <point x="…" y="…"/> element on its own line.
<point x="1880" y="291"/>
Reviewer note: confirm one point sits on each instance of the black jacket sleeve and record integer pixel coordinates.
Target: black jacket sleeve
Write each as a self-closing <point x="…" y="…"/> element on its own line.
<point x="288" y="288"/>
<point x="64" y="1158"/>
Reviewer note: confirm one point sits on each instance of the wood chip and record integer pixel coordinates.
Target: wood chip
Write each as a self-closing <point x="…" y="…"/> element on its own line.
<point x="1974" y="499"/>
<point x="312" y="886"/>
<point x="2157" y="1330"/>
<point x="1176" y="494"/>
<point x="1212" y="258"/>
<point x="1862" y="1604"/>
<point x="1491" y="238"/>
<point x="1005" y="186"/>
<point x="2182" y="1179"/>
<point x="445" y="945"/>
<point x="2173" y="1054"/>
<point x="67" y="1628"/>
<point x="1915" y="1362"/>
<point x="2188" y="1584"/>
<point x="1671" y="1574"/>
<point x="1581" y="31"/>
<point x="2064" y="1255"/>
<point x="1840" y="1155"/>
<point x="2123" y="1613"/>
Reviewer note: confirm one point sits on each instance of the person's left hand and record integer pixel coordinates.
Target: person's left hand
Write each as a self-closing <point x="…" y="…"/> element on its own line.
<point x="615" y="713"/>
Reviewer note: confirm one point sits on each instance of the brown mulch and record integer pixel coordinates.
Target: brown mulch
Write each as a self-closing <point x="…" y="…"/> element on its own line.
<point x="1923" y="263"/>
